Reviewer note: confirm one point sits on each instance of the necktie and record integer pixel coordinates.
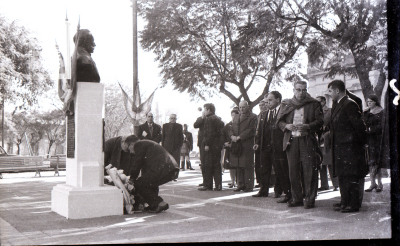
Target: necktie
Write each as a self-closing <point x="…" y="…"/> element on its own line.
<point x="151" y="129"/>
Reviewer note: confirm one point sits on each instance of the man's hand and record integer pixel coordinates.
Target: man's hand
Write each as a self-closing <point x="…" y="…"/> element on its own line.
<point x="206" y="148"/>
<point x="290" y="127"/>
<point x="227" y="144"/>
<point x="255" y="147"/>
<point x="144" y="134"/>
<point x="233" y="138"/>
<point x="302" y="127"/>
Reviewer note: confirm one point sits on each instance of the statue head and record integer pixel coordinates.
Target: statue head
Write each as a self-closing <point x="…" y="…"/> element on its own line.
<point x="86" y="40"/>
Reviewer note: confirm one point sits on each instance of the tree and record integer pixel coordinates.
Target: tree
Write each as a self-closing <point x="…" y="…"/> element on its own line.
<point x="224" y="46"/>
<point x="22" y="75"/>
<point x="116" y="119"/>
<point x="51" y="124"/>
<point x="350" y="23"/>
<point x="20" y="124"/>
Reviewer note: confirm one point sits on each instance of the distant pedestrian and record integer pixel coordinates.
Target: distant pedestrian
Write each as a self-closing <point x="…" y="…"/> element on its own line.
<point x="242" y="153"/>
<point x="212" y="147"/>
<point x="172" y="137"/>
<point x="187" y="146"/>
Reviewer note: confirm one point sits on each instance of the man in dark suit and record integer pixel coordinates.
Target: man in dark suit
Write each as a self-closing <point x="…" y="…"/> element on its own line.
<point x="260" y="118"/>
<point x="186" y="148"/>
<point x="156" y="166"/>
<point x="212" y="147"/>
<point x="150" y="130"/>
<point x="300" y="117"/>
<point x="349" y="138"/>
<point x="116" y="152"/>
<point x="199" y="124"/>
<point x="270" y="141"/>
<point x="172" y="137"/>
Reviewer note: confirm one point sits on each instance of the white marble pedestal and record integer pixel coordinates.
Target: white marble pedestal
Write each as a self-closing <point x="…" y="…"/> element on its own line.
<point x="84" y="195"/>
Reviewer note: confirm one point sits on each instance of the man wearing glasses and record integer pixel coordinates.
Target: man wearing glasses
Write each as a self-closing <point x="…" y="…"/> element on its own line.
<point x="299" y="118"/>
<point x="172" y="137"/>
<point x="150" y="130"/>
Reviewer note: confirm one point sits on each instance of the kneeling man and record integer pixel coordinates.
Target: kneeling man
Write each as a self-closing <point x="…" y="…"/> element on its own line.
<point x="156" y="166"/>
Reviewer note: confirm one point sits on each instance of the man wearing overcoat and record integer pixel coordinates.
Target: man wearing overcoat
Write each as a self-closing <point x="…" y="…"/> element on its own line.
<point x="300" y="117"/>
<point x="242" y="133"/>
<point x="116" y="152"/>
<point x="270" y="141"/>
<point x="260" y="118"/>
<point x="150" y="130"/>
<point x="199" y="124"/>
<point x="212" y="147"/>
<point x="172" y="137"/>
<point x="349" y="138"/>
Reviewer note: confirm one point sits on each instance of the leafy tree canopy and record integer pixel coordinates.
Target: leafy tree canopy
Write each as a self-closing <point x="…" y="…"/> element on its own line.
<point x="225" y="46"/>
<point x="22" y="75"/>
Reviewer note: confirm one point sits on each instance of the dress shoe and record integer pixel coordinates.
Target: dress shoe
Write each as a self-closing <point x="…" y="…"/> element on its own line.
<point x="277" y="195"/>
<point x="308" y="206"/>
<point x="248" y="190"/>
<point x="335" y="189"/>
<point x="349" y="210"/>
<point x="218" y="188"/>
<point x="379" y="188"/>
<point x="284" y="200"/>
<point x="239" y="189"/>
<point x="201" y="184"/>
<point x="293" y="204"/>
<point x="371" y="188"/>
<point x="191" y="168"/>
<point x="231" y="185"/>
<point x="322" y="188"/>
<point x="162" y="206"/>
<point x="257" y="186"/>
<point x="259" y="194"/>
<point x="204" y="188"/>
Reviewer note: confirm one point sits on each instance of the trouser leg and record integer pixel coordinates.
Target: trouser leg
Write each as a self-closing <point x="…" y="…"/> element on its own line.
<point x="217" y="173"/>
<point x="282" y="175"/>
<point x="249" y="178"/>
<point x="335" y="181"/>
<point x="293" y="156"/>
<point x="257" y="166"/>
<point x="232" y="173"/>
<point x="240" y="177"/>
<point x="323" y="174"/>
<point x="148" y="192"/>
<point x="265" y="171"/>
<point x="344" y="190"/>
<point x="361" y="183"/>
<point x="310" y="172"/>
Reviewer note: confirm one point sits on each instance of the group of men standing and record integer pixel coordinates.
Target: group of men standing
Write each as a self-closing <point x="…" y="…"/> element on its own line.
<point x="286" y="136"/>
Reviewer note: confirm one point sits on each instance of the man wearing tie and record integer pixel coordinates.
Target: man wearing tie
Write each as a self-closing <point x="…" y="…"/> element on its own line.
<point x="300" y="117"/>
<point x="260" y="117"/>
<point x="150" y="130"/>
<point x="172" y="137"/>
<point x="269" y="140"/>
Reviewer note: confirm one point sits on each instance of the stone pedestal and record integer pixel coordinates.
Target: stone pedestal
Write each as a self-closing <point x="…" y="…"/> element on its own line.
<point x="84" y="195"/>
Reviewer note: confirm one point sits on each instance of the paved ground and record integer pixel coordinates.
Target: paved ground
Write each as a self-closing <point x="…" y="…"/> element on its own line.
<point x="194" y="216"/>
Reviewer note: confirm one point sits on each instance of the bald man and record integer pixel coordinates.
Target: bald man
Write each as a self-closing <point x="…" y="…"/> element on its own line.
<point x="242" y="153"/>
<point x="172" y="137"/>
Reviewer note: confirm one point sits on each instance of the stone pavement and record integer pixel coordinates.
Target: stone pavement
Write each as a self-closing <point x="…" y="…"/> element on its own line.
<point x="194" y="216"/>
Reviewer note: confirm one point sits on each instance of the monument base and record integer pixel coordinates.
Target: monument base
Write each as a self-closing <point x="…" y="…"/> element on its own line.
<point x="80" y="203"/>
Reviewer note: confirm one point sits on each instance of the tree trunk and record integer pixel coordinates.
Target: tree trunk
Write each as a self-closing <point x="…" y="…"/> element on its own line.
<point x="362" y="70"/>
<point x="50" y="144"/>
<point x="380" y="84"/>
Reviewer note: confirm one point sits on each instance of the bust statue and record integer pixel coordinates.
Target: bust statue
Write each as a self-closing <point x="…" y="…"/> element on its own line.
<point x="86" y="70"/>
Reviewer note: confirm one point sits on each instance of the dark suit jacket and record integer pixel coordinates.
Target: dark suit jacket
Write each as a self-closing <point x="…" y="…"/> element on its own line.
<point x="157" y="165"/>
<point x="313" y="117"/>
<point x="172" y="140"/>
<point x="112" y="154"/>
<point x="156" y="134"/>
<point x="199" y="124"/>
<point x="269" y="136"/>
<point x="349" y="134"/>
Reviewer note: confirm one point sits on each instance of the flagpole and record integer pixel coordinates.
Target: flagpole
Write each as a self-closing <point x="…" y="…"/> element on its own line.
<point x="135" y="62"/>
<point x="68" y="62"/>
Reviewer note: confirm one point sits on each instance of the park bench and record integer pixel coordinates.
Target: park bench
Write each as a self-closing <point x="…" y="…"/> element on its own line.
<point x="11" y="164"/>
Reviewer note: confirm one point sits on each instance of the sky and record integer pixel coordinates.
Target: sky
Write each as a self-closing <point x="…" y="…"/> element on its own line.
<point x="110" y="22"/>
